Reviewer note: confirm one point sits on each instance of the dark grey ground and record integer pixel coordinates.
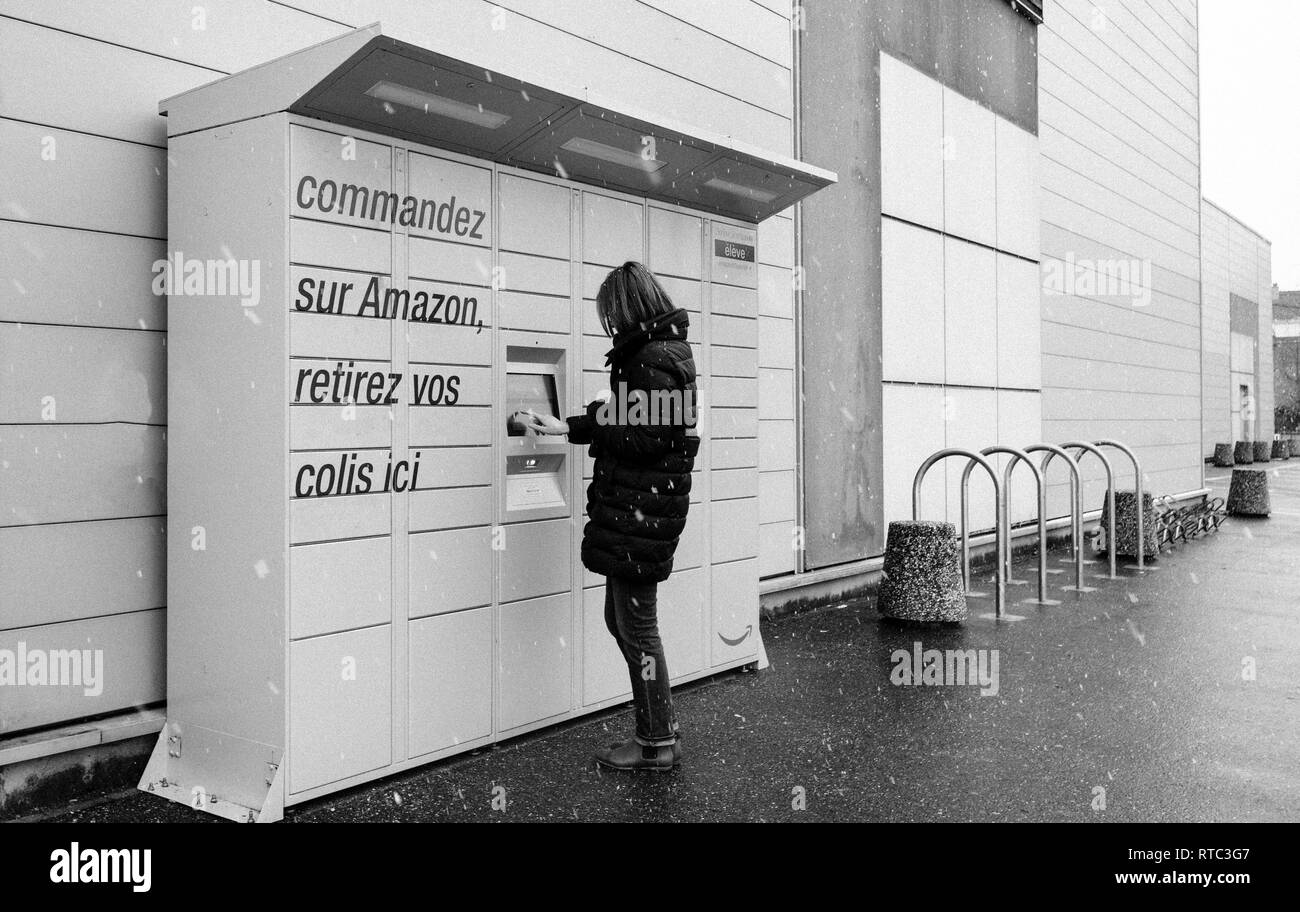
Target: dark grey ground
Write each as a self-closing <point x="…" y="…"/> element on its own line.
<point x="1136" y="688"/>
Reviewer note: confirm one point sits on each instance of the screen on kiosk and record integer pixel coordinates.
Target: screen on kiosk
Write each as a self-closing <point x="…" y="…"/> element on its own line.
<point x="531" y="391"/>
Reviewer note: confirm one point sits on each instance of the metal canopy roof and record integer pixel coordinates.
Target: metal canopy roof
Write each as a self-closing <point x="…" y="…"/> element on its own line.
<point x="370" y="81"/>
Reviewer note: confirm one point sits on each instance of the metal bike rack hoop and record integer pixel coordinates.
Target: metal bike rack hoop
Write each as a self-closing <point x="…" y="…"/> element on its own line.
<point x="1110" y="493"/>
<point x="1001" y="587"/>
<point x="1141" y="505"/>
<point x="1076" y="504"/>
<point x="1017" y="457"/>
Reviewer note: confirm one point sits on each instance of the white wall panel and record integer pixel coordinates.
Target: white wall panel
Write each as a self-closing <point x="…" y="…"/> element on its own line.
<point x="113" y="288"/>
<point x="1018" y="191"/>
<point x="970" y="314"/>
<point x="1019" y="426"/>
<point x="972" y="425"/>
<point x="970" y="169"/>
<point x="124" y="653"/>
<point x="912" y="303"/>
<point x="87" y="375"/>
<point x="63" y="572"/>
<point x="1019" y="326"/>
<point x="960" y="304"/>
<point x="75" y="180"/>
<point x="104" y="89"/>
<point x="70" y="473"/>
<point x="913" y="421"/>
<point x="776" y="552"/>
<point x="911" y="144"/>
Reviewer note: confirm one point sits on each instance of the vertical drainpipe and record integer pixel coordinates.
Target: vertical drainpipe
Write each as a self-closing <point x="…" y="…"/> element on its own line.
<point x="1200" y="268"/>
<point x="796" y="32"/>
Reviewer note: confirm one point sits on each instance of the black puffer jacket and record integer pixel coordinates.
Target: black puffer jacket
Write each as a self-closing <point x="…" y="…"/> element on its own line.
<point x="640" y="490"/>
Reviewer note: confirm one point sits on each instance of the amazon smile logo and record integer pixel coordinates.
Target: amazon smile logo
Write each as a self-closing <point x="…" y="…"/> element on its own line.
<point x="749" y="628"/>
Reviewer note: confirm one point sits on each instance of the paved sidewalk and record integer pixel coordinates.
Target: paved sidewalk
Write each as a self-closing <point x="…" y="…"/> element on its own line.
<point x="1136" y="689"/>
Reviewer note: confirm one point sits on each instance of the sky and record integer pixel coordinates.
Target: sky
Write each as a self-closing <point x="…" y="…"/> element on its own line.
<point x="1250" y="120"/>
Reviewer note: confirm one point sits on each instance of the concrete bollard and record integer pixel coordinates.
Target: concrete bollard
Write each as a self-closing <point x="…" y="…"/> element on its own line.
<point x="1126" y="531"/>
<point x="1248" y="493"/>
<point x="1279" y="450"/>
<point x="1262" y="449"/>
<point x="1243" y="453"/>
<point x="922" y="573"/>
<point x="1223" y="455"/>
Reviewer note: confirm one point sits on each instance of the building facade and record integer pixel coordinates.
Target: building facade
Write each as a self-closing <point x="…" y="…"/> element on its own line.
<point x="1014" y="253"/>
<point x="1237" y="331"/>
<point x="1029" y="194"/>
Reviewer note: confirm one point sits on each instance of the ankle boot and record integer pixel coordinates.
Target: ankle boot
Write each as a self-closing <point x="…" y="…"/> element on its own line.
<point x="633" y="755"/>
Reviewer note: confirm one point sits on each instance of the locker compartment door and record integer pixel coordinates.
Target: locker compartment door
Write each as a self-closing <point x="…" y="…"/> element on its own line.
<point x="323" y="519"/>
<point x="692" y="548"/>
<point x="317" y="335"/>
<point x="340" y="710"/>
<point x="340" y="247"/>
<point x="320" y="169"/>
<point x="604" y="673"/>
<point x="535" y="660"/>
<point x="681" y="622"/>
<point x="675" y="244"/>
<point x="340" y="586"/>
<point x="613" y="230"/>
<point x="535" y="216"/>
<point x="536" y="559"/>
<point x="734" y="529"/>
<point x="449" y="570"/>
<point x="335" y="426"/>
<point x="450" y="699"/>
<point x="735" y="611"/>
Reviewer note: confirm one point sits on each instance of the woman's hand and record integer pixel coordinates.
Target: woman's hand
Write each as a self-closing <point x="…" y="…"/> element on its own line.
<point x="544" y="424"/>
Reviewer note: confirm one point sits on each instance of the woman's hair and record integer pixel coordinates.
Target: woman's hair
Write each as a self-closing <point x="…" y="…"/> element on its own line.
<point x="629" y="297"/>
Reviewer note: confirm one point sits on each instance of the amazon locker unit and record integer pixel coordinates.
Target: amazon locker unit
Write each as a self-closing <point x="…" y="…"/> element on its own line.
<point x="369" y="566"/>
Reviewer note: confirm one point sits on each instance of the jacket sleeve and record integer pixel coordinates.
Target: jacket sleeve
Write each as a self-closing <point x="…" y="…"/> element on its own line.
<point x="582" y="426"/>
<point x="635" y="441"/>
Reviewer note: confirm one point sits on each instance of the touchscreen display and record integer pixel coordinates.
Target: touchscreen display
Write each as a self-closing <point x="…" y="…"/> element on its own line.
<point x="530" y="391"/>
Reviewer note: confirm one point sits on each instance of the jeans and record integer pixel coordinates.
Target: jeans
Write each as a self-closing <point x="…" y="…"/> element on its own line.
<point x="631" y="616"/>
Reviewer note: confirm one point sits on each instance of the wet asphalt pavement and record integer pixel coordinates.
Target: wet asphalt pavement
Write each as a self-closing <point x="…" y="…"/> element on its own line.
<point x="1137" y="689"/>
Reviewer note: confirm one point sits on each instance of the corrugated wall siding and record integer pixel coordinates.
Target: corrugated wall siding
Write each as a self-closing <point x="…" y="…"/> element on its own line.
<point x="82" y="219"/>
<point x="1119" y="135"/>
<point x="1216" y="382"/>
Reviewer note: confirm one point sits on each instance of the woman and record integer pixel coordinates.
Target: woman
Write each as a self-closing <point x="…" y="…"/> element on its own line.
<point x="644" y="443"/>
